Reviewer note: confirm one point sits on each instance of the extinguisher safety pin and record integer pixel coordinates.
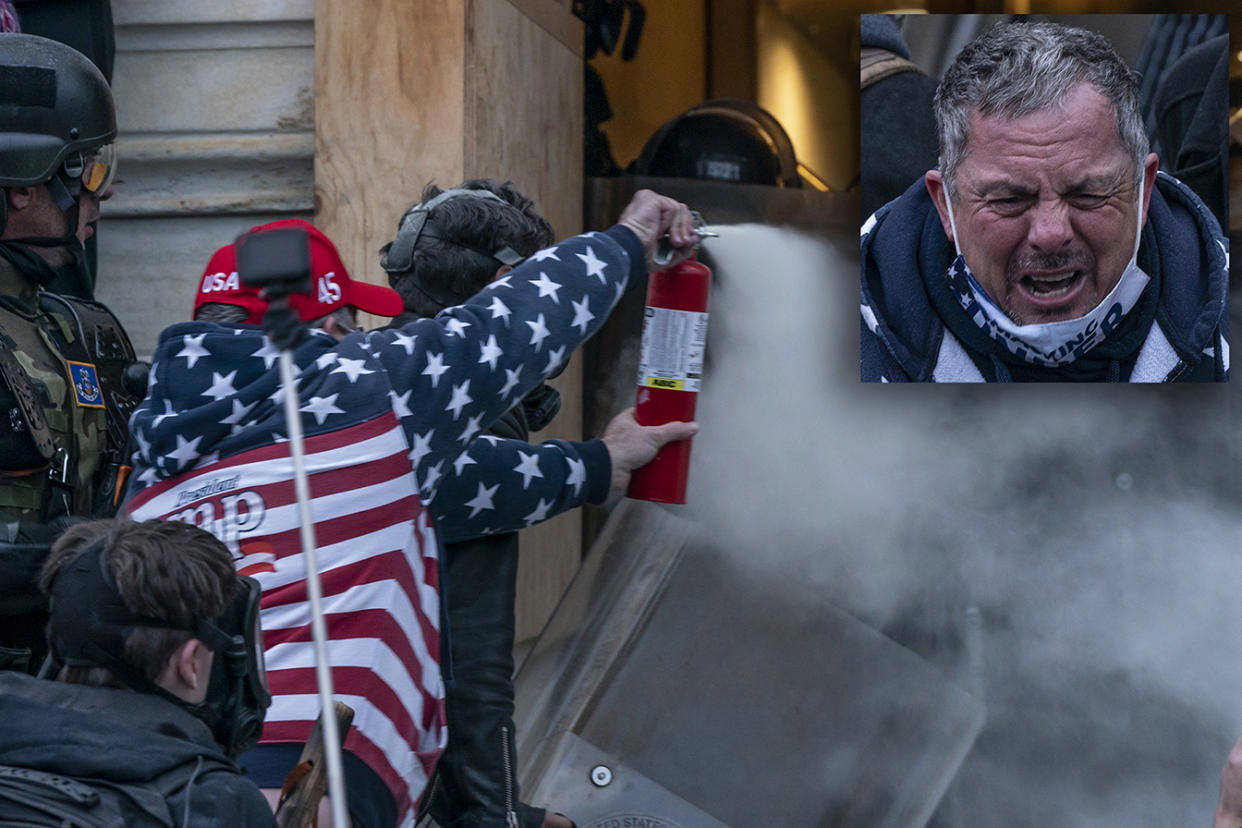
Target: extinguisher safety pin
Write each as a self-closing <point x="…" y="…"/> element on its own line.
<point x="664" y="249"/>
<point x="700" y="226"/>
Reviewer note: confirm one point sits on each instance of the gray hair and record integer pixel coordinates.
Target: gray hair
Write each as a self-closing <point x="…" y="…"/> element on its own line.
<point x="1020" y="68"/>
<point x="224" y="313"/>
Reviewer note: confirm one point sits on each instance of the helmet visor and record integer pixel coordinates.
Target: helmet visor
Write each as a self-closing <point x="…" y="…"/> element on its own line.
<point x="99" y="169"/>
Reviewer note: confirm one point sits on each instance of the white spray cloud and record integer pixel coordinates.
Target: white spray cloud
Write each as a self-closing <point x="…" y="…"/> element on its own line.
<point x="1093" y="528"/>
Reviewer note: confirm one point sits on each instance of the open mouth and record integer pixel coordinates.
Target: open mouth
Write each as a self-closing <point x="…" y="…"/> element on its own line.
<point x="1051" y="286"/>
<point x="1053" y="291"/>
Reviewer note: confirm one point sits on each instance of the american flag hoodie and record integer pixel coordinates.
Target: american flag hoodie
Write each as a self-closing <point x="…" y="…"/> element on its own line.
<point x="396" y="463"/>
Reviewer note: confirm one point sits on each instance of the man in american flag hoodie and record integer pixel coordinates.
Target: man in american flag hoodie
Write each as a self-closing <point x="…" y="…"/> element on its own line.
<point x="390" y="419"/>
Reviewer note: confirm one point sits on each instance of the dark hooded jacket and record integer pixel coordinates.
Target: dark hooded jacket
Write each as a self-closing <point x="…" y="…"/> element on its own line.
<point x="914" y="330"/>
<point x="119" y="736"/>
<point x="475" y="782"/>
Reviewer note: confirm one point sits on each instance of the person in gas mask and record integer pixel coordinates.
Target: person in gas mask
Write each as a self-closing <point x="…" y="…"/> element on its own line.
<point x="160" y="685"/>
<point x="63" y="398"/>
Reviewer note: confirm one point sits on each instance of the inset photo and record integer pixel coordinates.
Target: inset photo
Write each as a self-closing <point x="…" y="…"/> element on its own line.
<point x="1044" y="198"/>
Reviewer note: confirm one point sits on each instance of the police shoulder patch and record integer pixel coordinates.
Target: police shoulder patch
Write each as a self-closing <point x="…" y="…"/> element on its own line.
<point x="85" y="380"/>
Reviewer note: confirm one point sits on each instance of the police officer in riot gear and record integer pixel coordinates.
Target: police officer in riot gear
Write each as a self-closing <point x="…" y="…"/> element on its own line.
<point x="63" y="405"/>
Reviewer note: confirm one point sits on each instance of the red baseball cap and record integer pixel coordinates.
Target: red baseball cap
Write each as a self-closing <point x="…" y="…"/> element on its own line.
<point x="331" y="287"/>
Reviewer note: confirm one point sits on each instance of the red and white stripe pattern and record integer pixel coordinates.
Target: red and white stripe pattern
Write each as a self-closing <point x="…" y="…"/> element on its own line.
<point x="378" y="560"/>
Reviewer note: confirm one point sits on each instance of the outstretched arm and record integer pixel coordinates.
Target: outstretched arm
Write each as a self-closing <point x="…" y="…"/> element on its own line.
<point x="500" y="485"/>
<point x="454" y="375"/>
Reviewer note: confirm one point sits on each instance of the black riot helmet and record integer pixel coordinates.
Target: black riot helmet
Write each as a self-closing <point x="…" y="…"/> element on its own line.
<point x="53" y="102"/>
<point x="725" y="139"/>
<point x="57" y="123"/>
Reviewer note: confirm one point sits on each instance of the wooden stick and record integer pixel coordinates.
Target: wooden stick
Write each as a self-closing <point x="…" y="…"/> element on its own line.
<point x="307" y="782"/>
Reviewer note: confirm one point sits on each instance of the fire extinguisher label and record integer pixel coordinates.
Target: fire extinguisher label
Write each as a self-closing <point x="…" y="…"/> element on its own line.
<point x="673" y="344"/>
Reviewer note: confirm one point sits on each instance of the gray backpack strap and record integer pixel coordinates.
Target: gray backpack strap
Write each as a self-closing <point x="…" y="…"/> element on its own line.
<point x="877" y="64"/>
<point x="32" y="797"/>
<point x="70" y="789"/>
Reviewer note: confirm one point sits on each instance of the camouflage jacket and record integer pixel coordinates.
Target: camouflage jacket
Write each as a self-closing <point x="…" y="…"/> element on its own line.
<point x="56" y="454"/>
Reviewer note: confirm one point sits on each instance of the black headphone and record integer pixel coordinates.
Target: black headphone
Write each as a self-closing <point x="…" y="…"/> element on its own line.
<point x="398" y="255"/>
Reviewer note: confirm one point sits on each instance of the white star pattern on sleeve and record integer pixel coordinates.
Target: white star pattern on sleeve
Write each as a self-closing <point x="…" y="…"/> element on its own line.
<point x="511" y="380"/>
<point x="352" y="368"/>
<point x="577" y="474"/>
<point x="456" y="326"/>
<point x="594" y="265"/>
<point x="540" y="513"/>
<point x="482" y="500"/>
<point x="499" y="310"/>
<point x="582" y="314"/>
<point x="538" y="332"/>
<point x="547" y="287"/>
<point x="193" y="349"/>
<point x="234" y="419"/>
<point x="168" y="412"/>
<point x="472" y="428"/>
<point x="546" y="253"/>
<point x="555" y="358"/>
<point x="405" y="341"/>
<point x="461" y="462"/>
<point x="460" y="400"/>
<point x="435" y="367"/>
<point x="326" y="360"/>
<point x="528" y="467"/>
<point x="221" y="386"/>
<point x="490" y="352"/>
<point x="268" y="352"/>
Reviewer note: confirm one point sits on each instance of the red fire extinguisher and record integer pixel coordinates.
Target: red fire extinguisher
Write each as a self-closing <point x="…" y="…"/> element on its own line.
<point x="670" y="372"/>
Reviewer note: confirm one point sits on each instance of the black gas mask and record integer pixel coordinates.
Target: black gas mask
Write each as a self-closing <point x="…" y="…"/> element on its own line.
<point x="89" y="624"/>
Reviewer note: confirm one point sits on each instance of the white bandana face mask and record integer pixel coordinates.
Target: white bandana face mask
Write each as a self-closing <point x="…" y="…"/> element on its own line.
<point x="1050" y="343"/>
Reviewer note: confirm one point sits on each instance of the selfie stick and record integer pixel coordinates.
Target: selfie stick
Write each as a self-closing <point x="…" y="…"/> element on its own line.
<point x="279" y="262"/>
